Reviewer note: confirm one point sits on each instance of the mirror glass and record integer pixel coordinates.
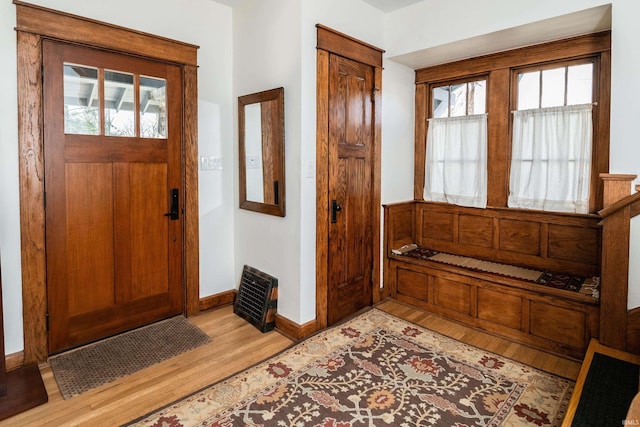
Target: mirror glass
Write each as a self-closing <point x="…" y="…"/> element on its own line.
<point x="261" y="122"/>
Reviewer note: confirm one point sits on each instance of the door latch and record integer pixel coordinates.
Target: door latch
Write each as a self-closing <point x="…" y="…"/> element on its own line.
<point x="335" y="208"/>
<point x="174" y="205"/>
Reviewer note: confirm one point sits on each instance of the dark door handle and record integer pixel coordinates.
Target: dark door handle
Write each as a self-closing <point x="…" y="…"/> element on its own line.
<point x="174" y="205"/>
<point x="335" y="208"/>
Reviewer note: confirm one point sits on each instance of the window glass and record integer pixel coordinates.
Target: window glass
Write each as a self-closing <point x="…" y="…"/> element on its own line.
<point x="81" y="100"/>
<point x="119" y="105"/>
<point x="153" y="107"/>
<point x="441" y="102"/>
<point x="556" y="87"/>
<point x="580" y="84"/>
<point x="459" y="100"/>
<point x="553" y="87"/>
<point x="529" y="90"/>
<point x="477" y="97"/>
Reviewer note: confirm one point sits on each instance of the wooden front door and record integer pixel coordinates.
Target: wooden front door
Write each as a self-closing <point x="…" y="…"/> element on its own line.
<point x="351" y="242"/>
<point x="112" y="150"/>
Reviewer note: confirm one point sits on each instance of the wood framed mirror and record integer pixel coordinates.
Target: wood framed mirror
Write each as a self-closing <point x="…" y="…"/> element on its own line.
<point x="261" y="148"/>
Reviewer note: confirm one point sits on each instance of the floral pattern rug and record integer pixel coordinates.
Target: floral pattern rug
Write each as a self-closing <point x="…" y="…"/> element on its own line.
<point x="376" y="370"/>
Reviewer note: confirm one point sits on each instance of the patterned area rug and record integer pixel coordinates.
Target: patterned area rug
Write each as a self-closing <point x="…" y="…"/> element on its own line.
<point x="87" y="367"/>
<point x="376" y="370"/>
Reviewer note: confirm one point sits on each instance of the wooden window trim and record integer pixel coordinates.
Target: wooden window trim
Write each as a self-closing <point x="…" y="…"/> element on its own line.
<point x="500" y="98"/>
<point x="35" y="23"/>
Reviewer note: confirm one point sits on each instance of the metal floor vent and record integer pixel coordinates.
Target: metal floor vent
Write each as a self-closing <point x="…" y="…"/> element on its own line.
<point x="257" y="300"/>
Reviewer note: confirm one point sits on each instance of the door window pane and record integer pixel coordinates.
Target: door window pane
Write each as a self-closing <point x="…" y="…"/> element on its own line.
<point x="81" y="100"/>
<point x="119" y="104"/>
<point x="153" y="107"/>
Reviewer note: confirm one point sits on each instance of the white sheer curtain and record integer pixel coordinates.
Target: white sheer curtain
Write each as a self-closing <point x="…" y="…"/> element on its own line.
<point x="456" y="161"/>
<point x="551" y="159"/>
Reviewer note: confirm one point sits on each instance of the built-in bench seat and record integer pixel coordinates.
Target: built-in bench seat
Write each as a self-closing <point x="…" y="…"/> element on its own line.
<point x="528" y="276"/>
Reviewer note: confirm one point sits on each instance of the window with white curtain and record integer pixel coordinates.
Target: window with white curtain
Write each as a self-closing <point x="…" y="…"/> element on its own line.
<point x="552" y="140"/>
<point x="456" y="156"/>
<point x="551" y="159"/>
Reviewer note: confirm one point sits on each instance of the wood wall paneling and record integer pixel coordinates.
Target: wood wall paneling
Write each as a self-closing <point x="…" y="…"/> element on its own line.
<point x="571" y="243"/>
<point x="413" y="284"/>
<point x="475" y="230"/>
<point x="500" y="308"/>
<point x="437" y="226"/>
<point x="452" y="295"/>
<point x="557" y="320"/>
<point x="558" y="324"/>
<point x="520" y="236"/>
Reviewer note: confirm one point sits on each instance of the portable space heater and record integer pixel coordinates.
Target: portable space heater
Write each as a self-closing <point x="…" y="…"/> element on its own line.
<point x="257" y="300"/>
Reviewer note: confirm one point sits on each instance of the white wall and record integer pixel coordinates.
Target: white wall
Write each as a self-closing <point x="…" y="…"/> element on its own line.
<point x="266" y="46"/>
<point x="10" y="208"/>
<point x="625" y="110"/>
<point x="200" y="22"/>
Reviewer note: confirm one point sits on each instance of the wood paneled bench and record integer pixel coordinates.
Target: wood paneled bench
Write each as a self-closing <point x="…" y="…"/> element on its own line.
<point x="557" y="320"/>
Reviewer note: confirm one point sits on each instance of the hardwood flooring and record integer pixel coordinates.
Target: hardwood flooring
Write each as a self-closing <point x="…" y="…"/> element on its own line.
<point x="235" y="345"/>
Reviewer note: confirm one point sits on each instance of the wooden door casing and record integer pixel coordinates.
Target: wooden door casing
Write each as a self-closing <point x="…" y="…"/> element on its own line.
<point x="34" y="24"/>
<point x="350" y="186"/>
<point x="331" y="42"/>
<point x="114" y="260"/>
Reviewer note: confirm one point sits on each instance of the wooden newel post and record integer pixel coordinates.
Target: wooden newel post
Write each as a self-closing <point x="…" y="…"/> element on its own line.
<point x="616" y="187"/>
<point x="616" y="222"/>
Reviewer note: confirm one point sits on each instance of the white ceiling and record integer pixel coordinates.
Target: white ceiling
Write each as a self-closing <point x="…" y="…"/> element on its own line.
<point x="383" y="5"/>
<point x="391" y="5"/>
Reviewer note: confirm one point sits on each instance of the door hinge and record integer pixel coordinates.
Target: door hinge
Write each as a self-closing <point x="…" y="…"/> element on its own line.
<point x="373" y="93"/>
<point x="46" y="316"/>
<point x="45" y="200"/>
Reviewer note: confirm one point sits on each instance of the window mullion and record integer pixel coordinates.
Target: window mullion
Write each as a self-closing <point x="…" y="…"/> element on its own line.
<point x="101" y="103"/>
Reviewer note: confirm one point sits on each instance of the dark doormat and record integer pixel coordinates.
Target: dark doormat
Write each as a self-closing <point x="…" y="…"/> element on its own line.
<point x="608" y="391"/>
<point x="93" y="365"/>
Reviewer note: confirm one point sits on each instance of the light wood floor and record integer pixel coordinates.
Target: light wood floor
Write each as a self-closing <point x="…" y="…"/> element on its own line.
<point x="235" y="345"/>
